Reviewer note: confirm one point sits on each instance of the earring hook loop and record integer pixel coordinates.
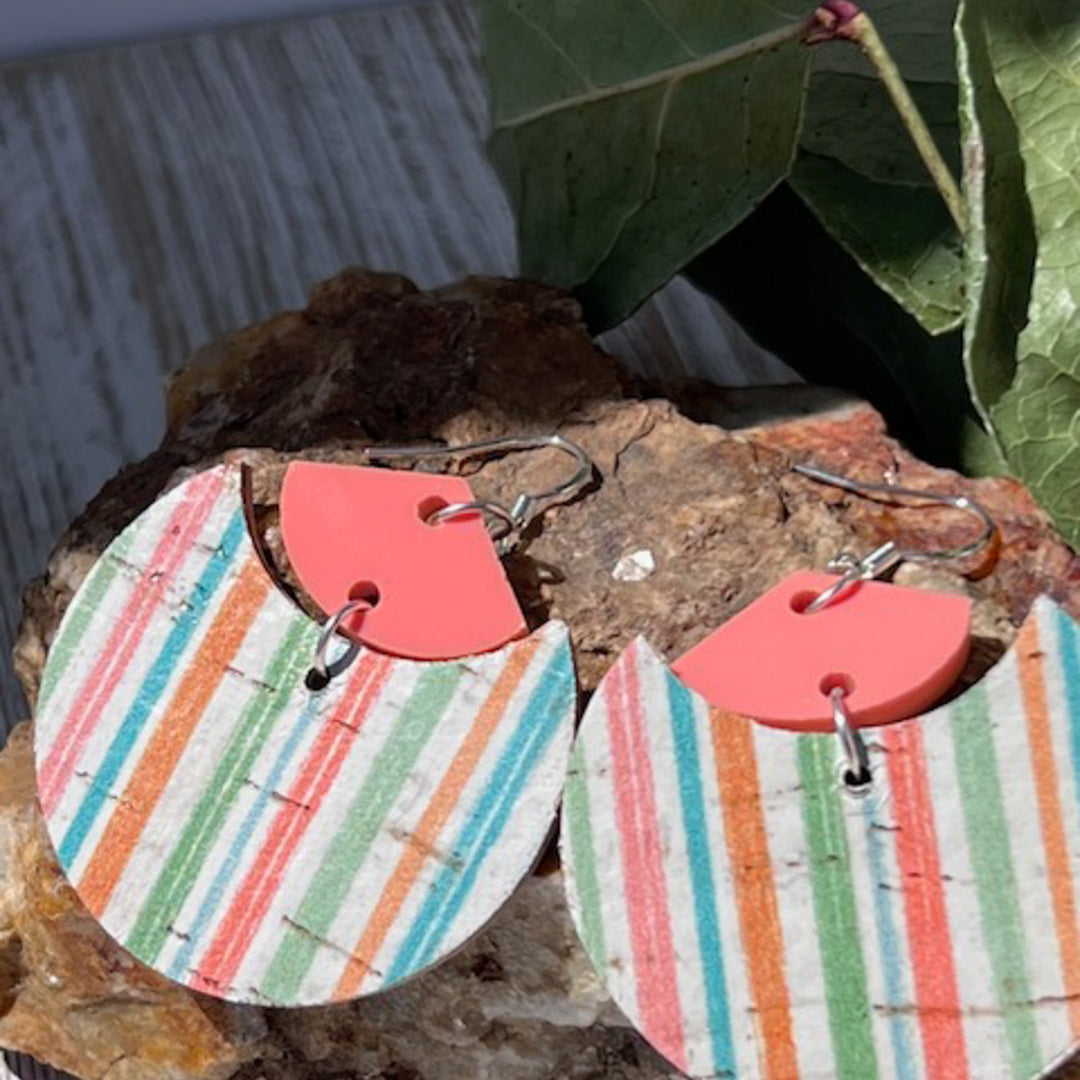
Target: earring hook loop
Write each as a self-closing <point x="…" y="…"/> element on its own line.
<point x="884" y="558"/>
<point x="526" y="506"/>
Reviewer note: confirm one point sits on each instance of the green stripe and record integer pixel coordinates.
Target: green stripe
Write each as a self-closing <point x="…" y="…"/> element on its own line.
<point x="995" y="879"/>
<point x="71" y="632"/>
<point x="204" y="824"/>
<point x="579" y="820"/>
<point x="838" y="933"/>
<point x="381" y="787"/>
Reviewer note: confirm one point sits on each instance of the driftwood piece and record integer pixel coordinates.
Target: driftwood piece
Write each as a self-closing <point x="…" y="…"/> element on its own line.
<point x="694" y="513"/>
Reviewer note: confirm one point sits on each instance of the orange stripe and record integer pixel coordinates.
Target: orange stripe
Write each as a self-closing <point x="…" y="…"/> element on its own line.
<point x="755" y="893"/>
<point x="423" y="839"/>
<point x="171" y="735"/>
<point x="1050" y="815"/>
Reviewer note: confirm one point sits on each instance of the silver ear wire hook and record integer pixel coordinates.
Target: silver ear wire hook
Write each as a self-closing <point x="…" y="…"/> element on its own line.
<point x="527" y="506"/>
<point x="883" y="559"/>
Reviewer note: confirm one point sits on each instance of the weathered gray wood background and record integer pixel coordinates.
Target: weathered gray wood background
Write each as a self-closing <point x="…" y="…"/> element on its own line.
<point x="155" y="195"/>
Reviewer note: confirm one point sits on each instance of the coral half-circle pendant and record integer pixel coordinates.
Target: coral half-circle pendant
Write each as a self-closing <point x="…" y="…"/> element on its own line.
<point x="255" y="840"/>
<point x="754" y="920"/>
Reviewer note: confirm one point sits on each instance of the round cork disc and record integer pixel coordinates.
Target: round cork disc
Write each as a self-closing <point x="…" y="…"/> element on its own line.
<point x="754" y="919"/>
<point x="254" y="839"/>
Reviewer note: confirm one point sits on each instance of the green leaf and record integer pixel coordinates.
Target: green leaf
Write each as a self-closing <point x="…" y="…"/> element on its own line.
<point x="852" y="119"/>
<point x="801" y="295"/>
<point x="632" y="134"/>
<point x="901" y="235"/>
<point x="858" y="169"/>
<point x="1020" y="71"/>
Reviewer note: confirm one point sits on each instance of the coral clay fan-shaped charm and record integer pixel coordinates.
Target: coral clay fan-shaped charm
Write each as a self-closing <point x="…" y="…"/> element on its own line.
<point x="258" y="841"/>
<point x="443" y="591"/>
<point x="755" y="920"/>
<point x="896" y="650"/>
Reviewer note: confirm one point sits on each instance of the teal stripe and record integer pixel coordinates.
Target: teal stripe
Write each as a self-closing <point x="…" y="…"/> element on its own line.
<point x="692" y="801"/>
<point x="835" y="913"/>
<point x="487" y="819"/>
<point x="381" y="786"/>
<point x="73" y="628"/>
<point x="987" y="832"/>
<point x="203" y="827"/>
<point x="153" y="686"/>
<point x="901" y="1026"/>
<point x="577" y="817"/>
<point x="1069" y="650"/>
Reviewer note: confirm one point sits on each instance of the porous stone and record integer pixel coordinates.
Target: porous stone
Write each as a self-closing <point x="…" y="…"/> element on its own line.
<point x="694" y="511"/>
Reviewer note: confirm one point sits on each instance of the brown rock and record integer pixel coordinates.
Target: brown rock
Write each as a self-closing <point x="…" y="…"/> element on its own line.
<point x="693" y="515"/>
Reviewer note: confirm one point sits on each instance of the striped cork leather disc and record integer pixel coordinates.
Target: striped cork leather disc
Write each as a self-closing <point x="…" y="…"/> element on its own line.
<point x="753" y="920"/>
<point x="258" y="841"/>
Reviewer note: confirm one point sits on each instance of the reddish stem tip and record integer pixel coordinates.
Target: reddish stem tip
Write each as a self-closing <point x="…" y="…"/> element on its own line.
<point x="844" y="10"/>
<point x="831" y="21"/>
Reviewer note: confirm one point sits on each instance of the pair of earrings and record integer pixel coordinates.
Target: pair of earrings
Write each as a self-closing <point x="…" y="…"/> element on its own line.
<point x="269" y="823"/>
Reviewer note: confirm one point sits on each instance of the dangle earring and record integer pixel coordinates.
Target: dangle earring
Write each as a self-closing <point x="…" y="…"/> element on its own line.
<point x="802" y="896"/>
<point x="281" y="814"/>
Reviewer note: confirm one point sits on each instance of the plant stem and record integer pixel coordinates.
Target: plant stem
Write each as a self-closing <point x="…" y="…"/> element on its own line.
<point x="863" y="31"/>
<point x="842" y="19"/>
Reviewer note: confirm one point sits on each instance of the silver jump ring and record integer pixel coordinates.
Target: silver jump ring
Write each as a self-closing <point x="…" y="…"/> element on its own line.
<point x="855" y="767"/>
<point x="319" y="673"/>
<point x="479" y="506"/>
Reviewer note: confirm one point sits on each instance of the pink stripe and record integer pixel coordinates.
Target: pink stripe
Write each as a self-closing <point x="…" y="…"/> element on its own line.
<point x="937" y="998"/>
<point x="241" y="922"/>
<point x="180" y="532"/>
<point x="643" y="866"/>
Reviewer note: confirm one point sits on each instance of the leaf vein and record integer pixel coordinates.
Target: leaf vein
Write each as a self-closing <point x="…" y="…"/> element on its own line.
<point x="669" y="75"/>
<point x="545" y="36"/>
<point x="666" y="23"/>
<point x="650" y="187"/>
<point x="1064" y="74"/>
